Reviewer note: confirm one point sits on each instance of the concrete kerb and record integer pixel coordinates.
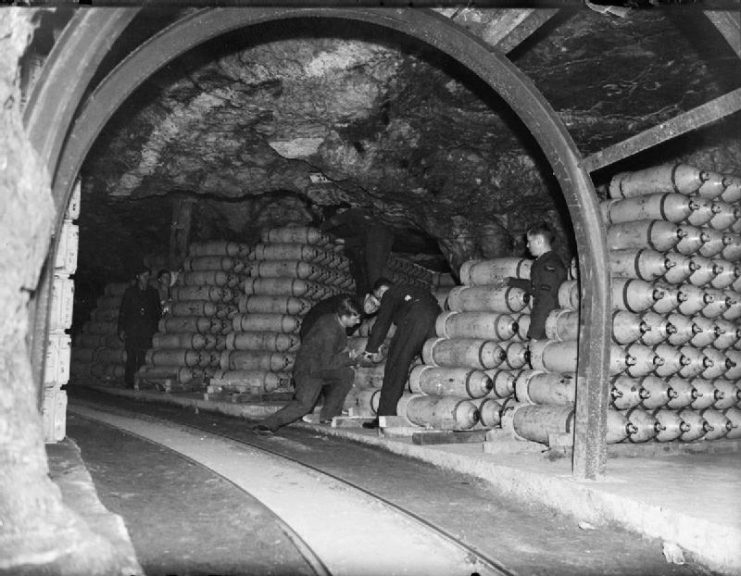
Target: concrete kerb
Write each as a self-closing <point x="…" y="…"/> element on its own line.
<point x="714" y="545"/>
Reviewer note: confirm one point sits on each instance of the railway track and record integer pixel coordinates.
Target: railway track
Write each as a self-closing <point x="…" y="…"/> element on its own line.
<point x="338" y="526"/>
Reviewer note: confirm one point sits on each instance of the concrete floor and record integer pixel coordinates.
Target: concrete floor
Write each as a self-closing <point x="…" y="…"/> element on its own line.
<point x="685" y="496"/>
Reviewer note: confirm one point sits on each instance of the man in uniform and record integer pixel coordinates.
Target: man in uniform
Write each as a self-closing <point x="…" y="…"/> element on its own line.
<point x="323" y="364"/>
<point x="414" y="310"/>
<point x="138" y="318"/>
<point x="329" y="305"/>
<point x="546" y="276"/>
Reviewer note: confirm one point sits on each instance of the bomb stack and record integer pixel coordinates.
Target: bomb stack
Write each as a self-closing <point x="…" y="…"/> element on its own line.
<point x="403" y="271"/>
<point x="98" y="353"/>
<point x="290" y="270"/>
<point x="192" y="334"/>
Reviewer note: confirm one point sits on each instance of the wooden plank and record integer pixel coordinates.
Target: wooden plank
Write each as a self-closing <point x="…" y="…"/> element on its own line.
<point x="449" y="437"/>
<point x="686" y="122"/>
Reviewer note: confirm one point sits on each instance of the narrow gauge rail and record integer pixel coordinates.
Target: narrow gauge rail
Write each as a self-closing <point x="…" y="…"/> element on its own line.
<point x="471" y="561"/>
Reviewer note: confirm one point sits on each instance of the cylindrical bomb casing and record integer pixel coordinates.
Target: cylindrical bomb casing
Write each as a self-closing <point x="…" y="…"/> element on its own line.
<point x="210" y="293"/>
<point x="490" y="412"/>
<point x="110" y="356"/>
<point x="691" y="239"/>
<point x="685" y="392"/>
<point x="625" y="392"/>
<point x="205" y="263"/>
<point x="192" y="340"/>
<point x="713" y="242"/>
<point x="516" y="354"/>
<point x="642" y="264"/>
<point x="714" y="186"/>
<point x="678" y="178"/>
<point x="441" y="381"/>
<point x="670" y="299"/>
<point x="485" y="299"/>
<point x="680" y="268"/>
<point x="731" y="247"/>
<point x="563" y="324"/>
<point x="702" y="211"/>
<point x="503" y="382"/>
<point x="569" y="295"/>
<point x="363" y="402"/>
<point x="618" y="426"/>
<point x="270" y="341"/>
<point x="696" y="426"/>
<point x="211" y="359"/>
<point x="266" y="322"/>
<point x="734" y="415"/>
<point x="725" y="215"/>
<point x="181" y="374"/>
<point x="640" y="360"/>
<point x="440" y="412"/>
<point x="734" y="305"/>
<point x="669" y="425"/>
<point x="693" y="362"/>
<point x="670" y="359"/>
<point x="286" y="287"/>
<point x="731" y="189"/>
<point x="717" y="364"/>
<point x="219" y="248"/>
<point x="263" y="380"/>
<point x="657" y="328"/>
<point x="718" y="425"/>
<point x="728" y="333"/>
<point x="285" y="251"/>
<point x="257" y="360"/>
<point x="208" y="277"/>
<point x="725" y="274"/>
<point x="546" y="388"/>
<point x="560" y="357"/>
<point x="469" y="352"/>
<point x="173" y="357"/>
<point x="369" y="376"/>
<point x="274" y="305"/>
<point x="101" y="328"/>
<point x="108" y="371"/>
<point x="493" y="272"/>
<point x="670" y="207"/>
<point x="84" y="340"/>
<point x="656" y="392"/>
<point x="692" y="299"/>
<point x="284" y="269"/>
<point x="295" y="234"/>
<point x="655" y="234"/>
<point x="523" y="326"/>
<point x="706" y="331"/>
<point x="178" y="324"/>
<point x="733" y="360"/>
<point x="627" y="327"/>
<point x="682" y="329"/>
<point x="441" y="295"/>
<point x="536" y="422"/>
<point x="486" y="325"/>
<point x="644" y="425"/>
<point x="705" y="271"/>
<point x="193" y="308"/>
<point x="631" y="294"/>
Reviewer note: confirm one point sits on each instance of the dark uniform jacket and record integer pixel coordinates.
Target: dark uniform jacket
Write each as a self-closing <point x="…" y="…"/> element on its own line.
<point x="323" y="349"/>
<point x="139" y="315"/>
<point x="397" y="302"/>
<point x="546" y="276"/>
<point x="326" y="306"/>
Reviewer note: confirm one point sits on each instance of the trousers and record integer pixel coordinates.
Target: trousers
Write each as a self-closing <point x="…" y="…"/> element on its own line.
<point x="334" y="383"/>
<point x="135" y="358"/>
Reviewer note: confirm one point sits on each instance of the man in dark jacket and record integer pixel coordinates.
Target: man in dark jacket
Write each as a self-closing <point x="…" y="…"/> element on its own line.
<point x="137" y="322"/>
<point x="414" y="310"/>
<point x="323" y="363"/>
<point x="546" y="276"/>
<point x="329" y="305"/>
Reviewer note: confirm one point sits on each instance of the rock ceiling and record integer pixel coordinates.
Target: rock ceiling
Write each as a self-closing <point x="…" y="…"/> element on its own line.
<point x="288" y="122"/>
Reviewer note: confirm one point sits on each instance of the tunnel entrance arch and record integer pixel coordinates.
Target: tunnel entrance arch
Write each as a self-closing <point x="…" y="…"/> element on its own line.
<point x="493" y="68"/>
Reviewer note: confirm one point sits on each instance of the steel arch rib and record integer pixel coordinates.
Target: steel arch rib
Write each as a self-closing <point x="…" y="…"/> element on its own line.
<point x="493" y="68"/>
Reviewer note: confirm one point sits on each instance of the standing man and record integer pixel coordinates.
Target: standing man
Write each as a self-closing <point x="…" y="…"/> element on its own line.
<point x="323" y="363"/>
<point x="546" y="276"/>
<point x="414" y="310"/>
<point x="137" y="322"/>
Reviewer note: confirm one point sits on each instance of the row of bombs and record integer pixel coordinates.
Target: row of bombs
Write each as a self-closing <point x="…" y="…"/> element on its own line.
<point x="538" y="423"/>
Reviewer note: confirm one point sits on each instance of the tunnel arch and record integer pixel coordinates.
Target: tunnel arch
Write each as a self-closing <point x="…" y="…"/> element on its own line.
<point x="493" y="68"/>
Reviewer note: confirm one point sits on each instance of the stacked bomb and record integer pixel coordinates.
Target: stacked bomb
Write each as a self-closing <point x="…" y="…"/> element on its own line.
<point x="193" y="334"/>
<point x="97" y="352"/>
<point x="403" y="271"/>
<point x="285" y="275"/>
<point x="442" y="284"/>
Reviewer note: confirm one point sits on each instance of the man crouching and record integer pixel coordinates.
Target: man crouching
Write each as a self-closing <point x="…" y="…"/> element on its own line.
<point x="323" y="363"/>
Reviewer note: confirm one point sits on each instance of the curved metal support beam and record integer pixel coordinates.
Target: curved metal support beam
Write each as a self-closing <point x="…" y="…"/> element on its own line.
<point x="494" y="69"/>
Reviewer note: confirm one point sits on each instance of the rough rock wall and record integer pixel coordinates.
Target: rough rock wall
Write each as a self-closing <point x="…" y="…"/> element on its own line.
<point x="35" y="527"/>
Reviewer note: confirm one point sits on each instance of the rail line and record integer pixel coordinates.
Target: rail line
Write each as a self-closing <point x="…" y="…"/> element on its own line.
<point x="189" y="441"/>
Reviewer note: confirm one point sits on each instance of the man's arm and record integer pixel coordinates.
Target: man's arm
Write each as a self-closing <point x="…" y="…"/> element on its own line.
<point x="382" y="325"/>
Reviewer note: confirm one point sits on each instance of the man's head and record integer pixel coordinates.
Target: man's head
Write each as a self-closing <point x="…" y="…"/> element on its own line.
<point x="379" y="289"/>
<point x="163" y="277"/>
<point x="142" y="277"/>
<point x="539" y="239"/>
<point x="348" y="312"/>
